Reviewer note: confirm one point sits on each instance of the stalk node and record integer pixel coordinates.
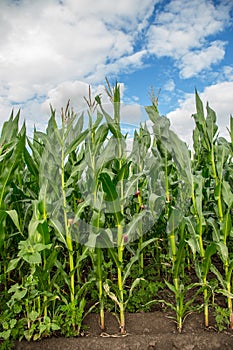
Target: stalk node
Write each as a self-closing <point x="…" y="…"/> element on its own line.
<point x="122" y="330"/>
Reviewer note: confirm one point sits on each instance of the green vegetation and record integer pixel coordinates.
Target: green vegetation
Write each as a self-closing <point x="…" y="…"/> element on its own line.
<point x="88" y="226"/>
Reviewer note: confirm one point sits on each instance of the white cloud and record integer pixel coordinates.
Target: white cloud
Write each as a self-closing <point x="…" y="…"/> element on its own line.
<point x="227" y="73"/>
<point x="181" y="121"/>
<point x="170" y="85"/>
<point x="219" y="97"/>
<point x="48" y="47"/>
<point x="194" y="62"/>
<point x="184" y="26"/>
<point x="5" y="109"/>
<point x="124" y="64"/>
<point x="59" y="96"/>
<point x="48" y="42"/>
<point x="51" y="50"/>
<point x="133" y="115"/>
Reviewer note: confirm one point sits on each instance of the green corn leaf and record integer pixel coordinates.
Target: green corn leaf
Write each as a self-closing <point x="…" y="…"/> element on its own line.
<point x="101" y="135"/>
<point x="179" y="258"/>
<point x="229" y="273"/>
<point x="174" y="220"/>
<point x="181" y="156"/>
<point x="217" y="192"/>
<point x="30" y="163"/>
<point x="76" y="142"/>
<point x="133" y="286"/>
<point x="131" y="184"/>
<point x="10" y="128"/>
<point x="108" y="154"/>
<point x="116" y="93"/>
<point x="223" y="251"/>
<point x="225" y="293"/>
<point x="215" y="229"/>
<point x="75" y="172"/>
<point x="14" y="217"/>
<point x="198" y="269"/>
<point x="210" y="250"/>
<point x="37" y="149"/>
<point x="10" y="167"/>
<point x="128" y="267"/>
<point x="226" y="226"/>
<point x="111" y="195"/>
<point x="211" y="125"/>
<point x="52" y="124"/>
<point x="114" y="257"/>
<point x="192" y="242"/>
<point x="98" y="120"/>
<point x="32" y="227"/>
<point x="162" y="134"/>
<point x="196" y="140"/>
<point x="123" y="172"/>
<point x="153" y="113"/>
<point x="73" y="128"/>
<point x="40" y="138"/>
<point x="198" y="181"/>
<point x="146" y="243"/>
<point x="6" y="151"/>
<point x="231" y="129"/>
<point x="134" y="259"/>
<point x="50" y="263"/>
<point x="59" y="230"/>
<point x="199" y="108"/>
<point x="64" y="275"/>
<point x="98" y="219"/>
<point x="219" y="276"/>
<point x="44" y="230"/>
<point x="201" y="123"/>
<point x="82" y="257"/>
<point x="171" y="287"/>
<point x="80" y="208"/>
<point x="221" y="152"/>
<point x="227" y="194"/>
<point x="112" y="124"/>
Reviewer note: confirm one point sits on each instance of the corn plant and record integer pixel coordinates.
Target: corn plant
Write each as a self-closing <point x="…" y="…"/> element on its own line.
<point x="110" y="190"/>
<point x="119" y="183"/>
<point x="77" y="210"/>
<point x="212" y="204"/>
<point x="140" y="158"/>
<point x="172" y="176"/>
<point x="96" y="157"/>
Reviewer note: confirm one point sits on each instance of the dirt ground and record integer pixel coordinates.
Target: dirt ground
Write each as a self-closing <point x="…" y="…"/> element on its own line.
<point x="145" y="331"/>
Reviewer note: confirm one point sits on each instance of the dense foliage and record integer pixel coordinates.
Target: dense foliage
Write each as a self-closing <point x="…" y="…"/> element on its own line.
<point x="87" y="224"/>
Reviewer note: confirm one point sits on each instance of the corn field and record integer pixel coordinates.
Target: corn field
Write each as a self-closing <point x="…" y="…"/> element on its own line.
<point x="89" y="225"/>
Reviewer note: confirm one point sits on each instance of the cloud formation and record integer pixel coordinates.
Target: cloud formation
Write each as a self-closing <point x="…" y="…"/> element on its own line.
<point x="51" y="50"/>
<point x="185" y="26"/>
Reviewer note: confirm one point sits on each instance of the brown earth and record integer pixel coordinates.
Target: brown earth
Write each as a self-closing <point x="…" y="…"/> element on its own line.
<point x="145" y="331"/>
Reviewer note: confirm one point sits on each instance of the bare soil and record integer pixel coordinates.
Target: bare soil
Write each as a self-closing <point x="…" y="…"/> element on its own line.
<point x="145" y="331"/>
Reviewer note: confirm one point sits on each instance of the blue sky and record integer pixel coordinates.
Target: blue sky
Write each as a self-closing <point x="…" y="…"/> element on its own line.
<point x="53" y="50"/>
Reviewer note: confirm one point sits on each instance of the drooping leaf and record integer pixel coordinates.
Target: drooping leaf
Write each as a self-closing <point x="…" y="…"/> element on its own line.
<point x="15" y="218"/>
